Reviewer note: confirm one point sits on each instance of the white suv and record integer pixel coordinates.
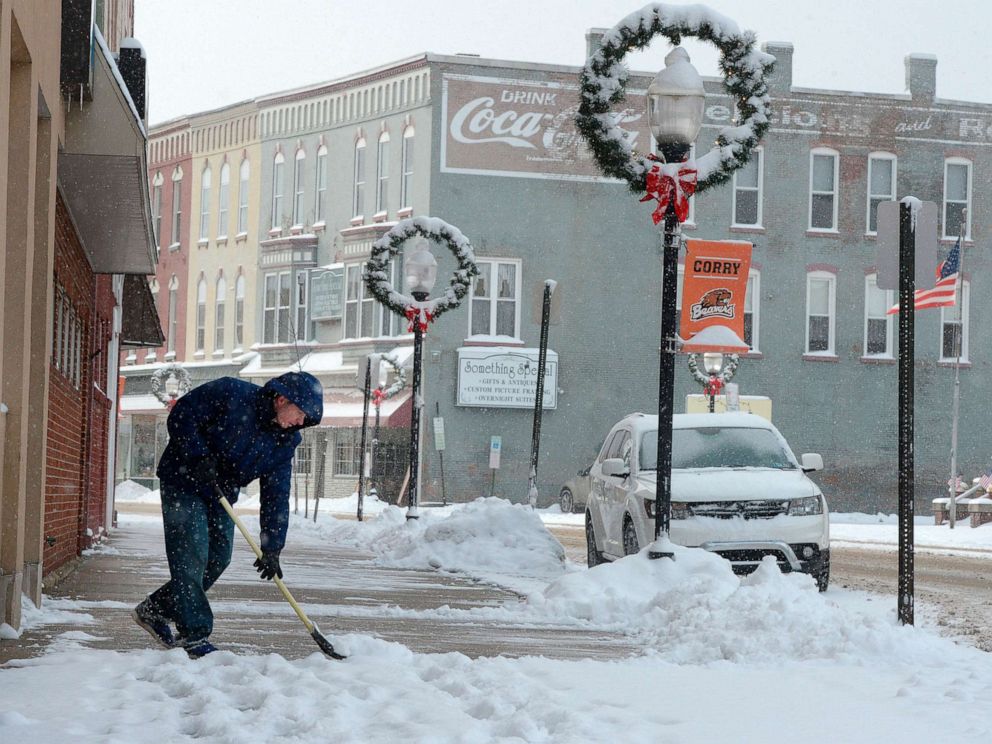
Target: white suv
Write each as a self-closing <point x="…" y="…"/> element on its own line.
<point x="737" y="490"/>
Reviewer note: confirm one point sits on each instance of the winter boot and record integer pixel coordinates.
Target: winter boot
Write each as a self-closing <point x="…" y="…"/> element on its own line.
<point x="156" y="625"/>
<point x="199" y="649"/>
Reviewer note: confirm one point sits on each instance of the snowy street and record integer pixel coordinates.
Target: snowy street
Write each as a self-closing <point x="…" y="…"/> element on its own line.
<point x="439" y="653"/>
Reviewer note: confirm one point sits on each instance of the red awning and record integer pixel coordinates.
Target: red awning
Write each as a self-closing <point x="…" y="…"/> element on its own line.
<point x="344" y="409"/>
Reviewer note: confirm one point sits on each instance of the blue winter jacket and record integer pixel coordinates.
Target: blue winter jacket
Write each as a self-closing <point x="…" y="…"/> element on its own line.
<point x="233" y="421"/>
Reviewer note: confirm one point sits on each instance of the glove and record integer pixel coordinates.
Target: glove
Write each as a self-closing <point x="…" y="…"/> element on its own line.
<point x="268" y="565"/>
<point x="205" y="470"/>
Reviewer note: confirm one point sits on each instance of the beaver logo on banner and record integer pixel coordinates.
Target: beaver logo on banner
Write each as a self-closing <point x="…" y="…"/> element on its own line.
<point x="713" y="293"/>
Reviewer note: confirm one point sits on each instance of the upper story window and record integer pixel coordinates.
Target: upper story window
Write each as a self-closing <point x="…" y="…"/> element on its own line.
<point x="239" y="312"/>
<point x="954" y="327"/>
<point x="382" y="174"/>
<point x="360" y="317"/>
<point x="205" y="202"/>
<point x="277" y="186"/>
<point x="243" y="181"/>
<point x="219" y="315"/>
<point x="223" y="201"/>
<point x="821" y="302"/>
<point x="823" y="173"/>
<point x="406" y="166"/>
<point x="201" y="315"/>
<point x="881" y="185"/>
<point x="275" y="308"/>
<point x="157" y="182"/>
<point x="494" y="301"/>
<point x="320" y="180"/>
<point x="358" y="200"/>
<point x="878" y="323"/>
<point x="957" y="198"/>
<point x="748" y="190"/>
<point x="177" y="205"/>
<point x="298" y="187"/>
<point x="173" y="316"/>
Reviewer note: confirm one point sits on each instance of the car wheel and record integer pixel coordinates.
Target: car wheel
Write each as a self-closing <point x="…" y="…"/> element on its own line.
<point x="823" y="577"/>
<point x="566" y="501"/>
<point x="630" y="546"/>
<point x="593" y="556"/>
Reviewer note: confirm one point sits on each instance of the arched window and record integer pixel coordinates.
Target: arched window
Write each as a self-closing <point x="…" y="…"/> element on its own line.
<point x="157" y="183"/>
<point x="320" y="181"/>
<point x="245" y="175"/>
<point x="881" y="186"/>
<point x="239" y="313"/>
<point x="406" y="166"/>
<point x="301" y="157"/>
<point x="205" y="203"/>
<point x="219" y="315"/>
<point x="954" y="327"/>
<point x="201" y="315"/>
<point x="173" y="317"/>
<point x="177" y="205"/>
<point x="224" y="196"/>
<point x="358" y="201"/>
<point x="821" y="313"/>
<point x="878" y="323"/>
<point x="277" y="187"/>
<point x="382" y="173"/>
<point x="957" y="198"/>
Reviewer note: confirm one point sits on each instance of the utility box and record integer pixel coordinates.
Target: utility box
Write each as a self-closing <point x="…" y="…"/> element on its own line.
<point x="757" y="404"/>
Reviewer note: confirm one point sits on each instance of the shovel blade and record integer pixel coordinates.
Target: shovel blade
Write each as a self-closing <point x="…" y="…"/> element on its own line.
<point x="325" y="645"/>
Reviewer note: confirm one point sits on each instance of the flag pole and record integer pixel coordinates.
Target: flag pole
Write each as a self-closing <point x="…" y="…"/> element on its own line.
<point x="952" y="504"/>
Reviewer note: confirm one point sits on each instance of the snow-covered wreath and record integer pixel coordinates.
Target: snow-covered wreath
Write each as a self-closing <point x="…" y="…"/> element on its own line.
<point x="162" y="374"/>
<point x="399" y="382"/>
<point x="712" y="384"/>
<point x="376" y="273"/>
<point x="604" y="78"/>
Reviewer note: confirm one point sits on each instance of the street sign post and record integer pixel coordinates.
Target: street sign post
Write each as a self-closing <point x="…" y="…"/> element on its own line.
<point x="924" y="245"/>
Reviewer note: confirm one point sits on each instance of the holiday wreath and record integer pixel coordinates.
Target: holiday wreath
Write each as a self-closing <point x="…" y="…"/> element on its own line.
<point x="604" y="78"/>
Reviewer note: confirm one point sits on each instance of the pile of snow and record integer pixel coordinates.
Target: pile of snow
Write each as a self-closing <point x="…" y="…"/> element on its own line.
<point x="130" y="491"/>
<point x="489" y="538"/>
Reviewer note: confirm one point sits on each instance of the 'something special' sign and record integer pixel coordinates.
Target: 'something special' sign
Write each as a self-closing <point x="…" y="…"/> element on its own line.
<point x="501" y="377"/>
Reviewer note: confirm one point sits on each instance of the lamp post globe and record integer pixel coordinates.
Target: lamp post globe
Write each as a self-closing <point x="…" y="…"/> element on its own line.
<point x="675" y="112"/>
<point x="421" y="273"/>
<point x="676" y="99"/>
<point x="712" y="362"/>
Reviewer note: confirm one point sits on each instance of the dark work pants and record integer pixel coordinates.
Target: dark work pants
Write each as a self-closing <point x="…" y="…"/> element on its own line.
<point x="199" y="538"/>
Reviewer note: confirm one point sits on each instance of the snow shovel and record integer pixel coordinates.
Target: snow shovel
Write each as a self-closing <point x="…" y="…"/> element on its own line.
<point x="325" y="645"/>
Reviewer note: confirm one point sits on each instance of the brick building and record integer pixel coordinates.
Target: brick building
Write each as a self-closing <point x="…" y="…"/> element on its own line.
<point x="74" y="252"/>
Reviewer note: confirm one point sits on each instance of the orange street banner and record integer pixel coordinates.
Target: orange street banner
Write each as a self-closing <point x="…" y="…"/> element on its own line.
<point x="713" y="290"/>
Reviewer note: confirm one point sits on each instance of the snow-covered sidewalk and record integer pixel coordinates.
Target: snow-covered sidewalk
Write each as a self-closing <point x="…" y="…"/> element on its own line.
<point x="763" y="658"/>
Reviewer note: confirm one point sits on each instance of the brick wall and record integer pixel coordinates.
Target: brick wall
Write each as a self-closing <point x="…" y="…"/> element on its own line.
<point x="76" y="477"/>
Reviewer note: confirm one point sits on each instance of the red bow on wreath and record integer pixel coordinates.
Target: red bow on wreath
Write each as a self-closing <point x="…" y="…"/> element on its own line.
<point x="674" y="182"/>
<point x="422" y="316"/>
<point x="713" y="386"/>
<point x="378" y="395"/>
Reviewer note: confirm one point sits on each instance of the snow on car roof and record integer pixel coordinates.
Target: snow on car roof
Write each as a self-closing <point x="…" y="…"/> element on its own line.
<point x="640" y="422"/>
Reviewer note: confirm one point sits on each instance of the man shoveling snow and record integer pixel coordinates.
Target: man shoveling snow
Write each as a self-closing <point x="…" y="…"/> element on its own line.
<point x="224" y="433"/>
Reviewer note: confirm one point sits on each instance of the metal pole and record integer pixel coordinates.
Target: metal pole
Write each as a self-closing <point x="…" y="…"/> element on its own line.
<point x="712" y="395"/>
<point x="366" y="390"/>
<point x="376" y="466"/>
<point x="542" y="358"/>
<point x="666" y="376"/>
<point x="952" y="503"/>
<point x="907" y="285"/>
<point x="413" y="498"/>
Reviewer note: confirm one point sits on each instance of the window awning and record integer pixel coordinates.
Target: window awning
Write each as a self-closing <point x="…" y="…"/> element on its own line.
<point x="345" y="410"/>
<point x="103" y="174"/>
<point x="140" y="324"/>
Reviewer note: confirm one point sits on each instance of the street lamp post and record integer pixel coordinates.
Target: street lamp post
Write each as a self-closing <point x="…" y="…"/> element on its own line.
<point x="675" y="111"/>
<point x="421" y="273"/>
<point x="713" y="364"/>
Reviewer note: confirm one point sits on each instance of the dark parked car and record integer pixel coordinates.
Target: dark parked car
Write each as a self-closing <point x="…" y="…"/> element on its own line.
<point x="574" y="493"/>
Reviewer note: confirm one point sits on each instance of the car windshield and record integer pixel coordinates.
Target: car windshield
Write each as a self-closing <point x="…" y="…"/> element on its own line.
<point x="718" y="447"/>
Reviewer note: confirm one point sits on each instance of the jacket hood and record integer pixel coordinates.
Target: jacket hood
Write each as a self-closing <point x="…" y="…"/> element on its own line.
<point x="303" y="390"/>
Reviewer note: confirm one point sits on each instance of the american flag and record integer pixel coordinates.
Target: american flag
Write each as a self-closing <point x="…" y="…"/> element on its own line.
<point x="944" y="292"/>
<point x="986" y="480"/>
<point x="957" y="483"/>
